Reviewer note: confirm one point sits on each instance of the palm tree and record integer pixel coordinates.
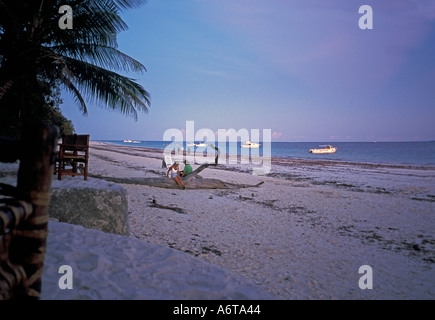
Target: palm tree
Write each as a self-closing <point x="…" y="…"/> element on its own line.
<point x="37" y="56"/>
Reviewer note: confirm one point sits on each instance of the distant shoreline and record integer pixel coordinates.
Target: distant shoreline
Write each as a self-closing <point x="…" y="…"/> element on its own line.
<point x="313" y="142"/>
<point x="288" y="161"/>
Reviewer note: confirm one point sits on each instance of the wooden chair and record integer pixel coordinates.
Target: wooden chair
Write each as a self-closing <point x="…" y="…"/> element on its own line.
<point x="73" y="151"/>
<point x="24" y="212"/>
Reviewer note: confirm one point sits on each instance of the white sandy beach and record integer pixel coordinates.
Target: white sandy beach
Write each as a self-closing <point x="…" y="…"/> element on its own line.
<point x="302" y="234"/>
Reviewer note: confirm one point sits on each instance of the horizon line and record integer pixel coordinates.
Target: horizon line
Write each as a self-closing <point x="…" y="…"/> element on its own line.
<point x="320" y="141"/>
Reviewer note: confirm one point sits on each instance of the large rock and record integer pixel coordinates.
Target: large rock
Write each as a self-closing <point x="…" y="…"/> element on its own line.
<point x="94" y="203"/>
<point x="112" y="267"/>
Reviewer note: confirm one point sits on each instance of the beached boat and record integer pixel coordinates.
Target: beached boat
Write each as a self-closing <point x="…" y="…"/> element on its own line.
<point x="249" y="144"/>
<point x="325" y="149"/>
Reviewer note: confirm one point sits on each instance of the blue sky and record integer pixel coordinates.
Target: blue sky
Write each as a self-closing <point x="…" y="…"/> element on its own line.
<point x="303" y="69"/>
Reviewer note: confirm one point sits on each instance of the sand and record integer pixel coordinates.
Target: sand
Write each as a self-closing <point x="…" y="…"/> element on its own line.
<point x="303" y="234"/>
<point x="105" y="266"/>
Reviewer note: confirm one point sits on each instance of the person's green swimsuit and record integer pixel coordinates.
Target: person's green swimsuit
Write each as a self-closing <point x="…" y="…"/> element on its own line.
<point x="187" y="169"/>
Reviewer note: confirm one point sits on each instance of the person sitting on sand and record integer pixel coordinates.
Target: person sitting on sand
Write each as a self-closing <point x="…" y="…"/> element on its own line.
<point x="187" y="169"/>
<point x="175" y="175"/>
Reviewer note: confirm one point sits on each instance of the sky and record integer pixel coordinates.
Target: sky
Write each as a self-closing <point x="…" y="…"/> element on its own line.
<point x="303" y="69"/>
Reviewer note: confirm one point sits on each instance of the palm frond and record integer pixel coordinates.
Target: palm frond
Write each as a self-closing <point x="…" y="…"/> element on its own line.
<point x="92" y="23"/>
<point x="76" y="94"/>
<point x="127" y="4"/>
<point x="103" y="56"/>
<point x="82" y="58"/>
<point x="114" y="91"/>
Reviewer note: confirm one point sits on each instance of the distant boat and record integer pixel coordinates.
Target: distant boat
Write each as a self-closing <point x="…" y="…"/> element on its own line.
<point x="127" y="141"/>
<point x="191" y="145"/>
<point x="136" y="141"/>
<point x="249" y="144"/>
<point x="201" y="145"/>
<point x="325" y="149"/>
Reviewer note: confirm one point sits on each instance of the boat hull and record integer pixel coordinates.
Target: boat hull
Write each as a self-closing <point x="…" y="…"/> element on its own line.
<point x="332" y="150"/>
<point x="327" y="149"/>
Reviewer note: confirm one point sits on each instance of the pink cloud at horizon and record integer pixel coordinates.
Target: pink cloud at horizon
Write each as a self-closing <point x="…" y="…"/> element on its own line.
<point x="276" y="135"/>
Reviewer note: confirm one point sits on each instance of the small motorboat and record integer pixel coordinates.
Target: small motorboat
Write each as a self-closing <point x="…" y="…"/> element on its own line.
<point x="325" y="149"/>
<point x="128" y="141"/>
<point x="201" y="145"/>
<point x="249" y="144"/>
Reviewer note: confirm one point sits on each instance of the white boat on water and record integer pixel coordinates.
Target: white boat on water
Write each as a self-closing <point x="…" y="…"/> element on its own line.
<point x="201" y="145"/>
<point x="249" y="144"/>
<point x="325" y="149"/>
<point x="197" y="144"/>
<point x="128" y="141"/>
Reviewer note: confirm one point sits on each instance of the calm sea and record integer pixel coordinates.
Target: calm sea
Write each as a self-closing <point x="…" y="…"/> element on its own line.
<point x="402" y="153"/>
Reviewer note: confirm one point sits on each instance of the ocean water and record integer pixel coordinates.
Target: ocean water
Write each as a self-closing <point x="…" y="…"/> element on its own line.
<point x="398" y="153"/>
